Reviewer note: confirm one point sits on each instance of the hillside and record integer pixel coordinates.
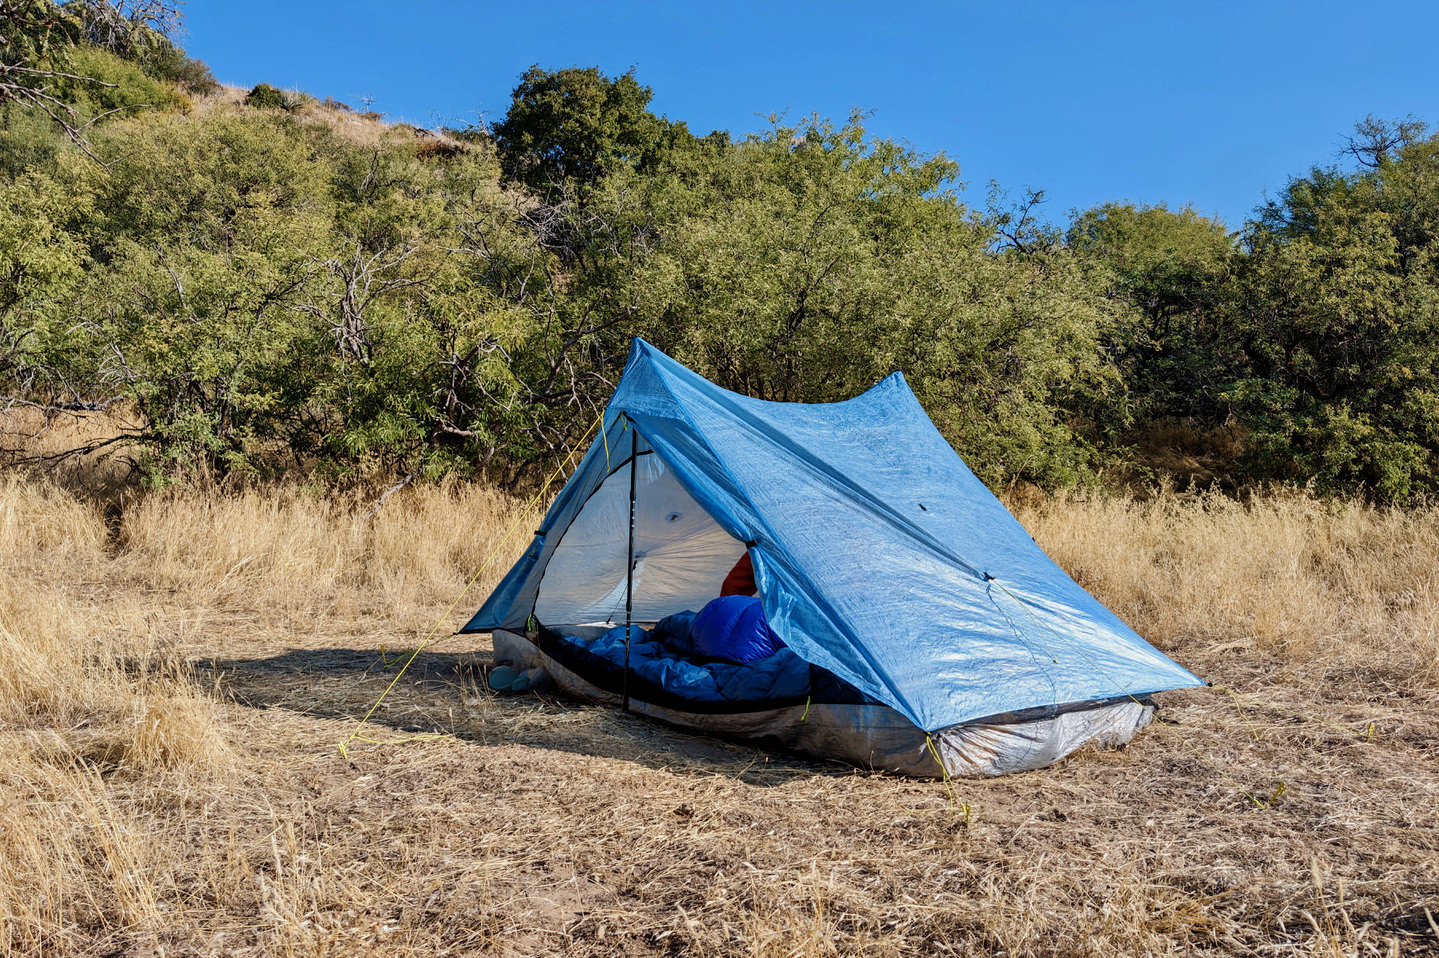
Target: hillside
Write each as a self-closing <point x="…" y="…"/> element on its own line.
<point x="280" y="287"/>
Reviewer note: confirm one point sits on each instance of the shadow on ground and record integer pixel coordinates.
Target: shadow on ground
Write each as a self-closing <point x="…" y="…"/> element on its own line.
<point x="445" y="692"/>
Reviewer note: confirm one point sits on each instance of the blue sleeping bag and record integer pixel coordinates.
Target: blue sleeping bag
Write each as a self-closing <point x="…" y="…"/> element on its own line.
<point x="733" y="628"/>
<point x="664" y="658"/>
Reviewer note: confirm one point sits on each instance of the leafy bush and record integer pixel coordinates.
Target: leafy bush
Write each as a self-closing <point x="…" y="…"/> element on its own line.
<point x="266" y="97"/>
<point x="115" y="85"/>
<point x="165" y="61"/>
<point x="28" y="140"/>
<point x="270" y="98"/>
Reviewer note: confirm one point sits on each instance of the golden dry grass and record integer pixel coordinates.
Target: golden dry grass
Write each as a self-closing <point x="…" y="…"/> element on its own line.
<point x="1295" y="583"/>
<point x="359" y="127"/>
<point x="175" y="676"/>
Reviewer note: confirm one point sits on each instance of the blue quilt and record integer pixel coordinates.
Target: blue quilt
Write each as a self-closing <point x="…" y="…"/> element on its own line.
<point x="662" y="656"/>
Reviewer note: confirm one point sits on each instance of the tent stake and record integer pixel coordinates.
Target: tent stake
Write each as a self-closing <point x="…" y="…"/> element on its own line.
<point x="630" y="567"/>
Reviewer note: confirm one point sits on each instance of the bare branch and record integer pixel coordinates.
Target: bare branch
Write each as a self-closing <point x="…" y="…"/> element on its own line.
<point x="387" y="493"/>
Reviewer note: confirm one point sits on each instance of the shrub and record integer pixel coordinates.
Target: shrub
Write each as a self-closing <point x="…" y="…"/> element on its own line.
<point x="266" y="97"/>
<point x="114" y="84"/>
<point x="28" y="140"/>
<point x="165" y="61"/>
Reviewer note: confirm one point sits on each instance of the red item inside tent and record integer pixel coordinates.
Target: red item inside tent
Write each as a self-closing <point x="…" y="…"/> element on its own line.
<point x="740" y="580"/>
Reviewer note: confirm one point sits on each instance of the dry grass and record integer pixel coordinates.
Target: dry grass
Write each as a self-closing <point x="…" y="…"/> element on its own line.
<point x="175" y="675"/>
<point x="314" y="559"/>
<point x="1294" y="583"/>
<point x="361" y="127"/>
<point x="26" y="433"/>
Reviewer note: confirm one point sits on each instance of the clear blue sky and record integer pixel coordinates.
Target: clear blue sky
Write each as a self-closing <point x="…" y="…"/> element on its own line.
<point x="1211" y="103"/>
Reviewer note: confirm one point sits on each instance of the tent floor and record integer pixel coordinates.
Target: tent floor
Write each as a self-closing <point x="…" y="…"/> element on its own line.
<point x="873" y="736"/>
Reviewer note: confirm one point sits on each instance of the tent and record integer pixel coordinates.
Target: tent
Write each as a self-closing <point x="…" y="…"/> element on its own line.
<point x="938" y="638"/>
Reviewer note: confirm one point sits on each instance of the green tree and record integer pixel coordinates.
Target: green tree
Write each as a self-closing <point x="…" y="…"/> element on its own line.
<point x="1173" y="268"/>
<point x="39" y="40"/>
<point x="41" y="265"/>
<point x="1167" y="263"/>
<point x="574" y="126"/>
<point x="36" y="39"/>
<point x="809" y="261"/>
<point x="207" y="232"/>
<point x="417" y="310"/>
<point x="1336" y="308"/>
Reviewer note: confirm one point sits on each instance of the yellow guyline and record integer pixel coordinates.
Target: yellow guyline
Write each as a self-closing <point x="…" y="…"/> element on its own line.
<point x="524" y="514"/>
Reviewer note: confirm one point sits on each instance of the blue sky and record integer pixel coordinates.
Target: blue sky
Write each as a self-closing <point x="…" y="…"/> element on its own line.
<point x="1207" y="103"/>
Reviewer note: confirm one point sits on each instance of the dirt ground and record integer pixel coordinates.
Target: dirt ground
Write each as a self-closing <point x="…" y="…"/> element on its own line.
<point x="1271" y="820"/>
